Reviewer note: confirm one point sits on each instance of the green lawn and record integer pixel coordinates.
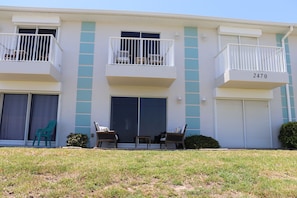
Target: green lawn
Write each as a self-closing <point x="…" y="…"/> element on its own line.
<point x="33" y="172"/>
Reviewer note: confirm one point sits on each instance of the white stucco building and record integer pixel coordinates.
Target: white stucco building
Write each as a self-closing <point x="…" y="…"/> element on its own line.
<point x="145" y="73"/>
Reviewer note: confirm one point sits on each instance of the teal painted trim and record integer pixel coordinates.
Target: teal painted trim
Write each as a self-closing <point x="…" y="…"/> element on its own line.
<point x="193" y="122"/>
<point x="191" y="132"/>
<point x="191" y="42"/>
<point x="192" y="110"/>
<point x="293" y="114"/>
<point x="84" y="95"/>
<point x="83" y="107"/>
<point x="284" y="101"/>
<point x="86" y="59"/>
<point x="192" y="84"/>
<point x="83" y="130"/>
<point x="85" y="78"/>
<point x="192" y="75"/>
<point x="192" y="98"/>
<point x="191" y="31"/>
<point x="283" y="88"/>
<point x="87" y="48"/>
<point x="84" y="83"/>
<point x="82" y="120"/>
<point x="85" y="71"/>
<point x="191" y="64"/>
<point x="88" y="26"/>
<point x="192" y="87"/>
<point x="191" y="52"/>
<point x="292" y="102"/>
<point x="87" y="37"/>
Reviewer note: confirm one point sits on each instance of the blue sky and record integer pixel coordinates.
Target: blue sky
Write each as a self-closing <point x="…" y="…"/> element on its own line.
<point x="260" y="10"/>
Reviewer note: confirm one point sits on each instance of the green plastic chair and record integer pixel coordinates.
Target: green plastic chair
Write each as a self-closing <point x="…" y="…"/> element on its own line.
<point x="46" y="133"/>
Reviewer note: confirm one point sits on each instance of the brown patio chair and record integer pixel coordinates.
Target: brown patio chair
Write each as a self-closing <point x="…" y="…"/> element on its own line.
<point x="105" y="135"/>
<point x="177" y="138"/>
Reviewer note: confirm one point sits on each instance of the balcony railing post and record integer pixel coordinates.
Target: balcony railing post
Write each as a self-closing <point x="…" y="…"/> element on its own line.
<point x="228" y="65"/>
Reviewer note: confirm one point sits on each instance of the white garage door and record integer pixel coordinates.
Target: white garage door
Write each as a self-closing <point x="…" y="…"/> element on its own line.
<point x="243" y="124"/>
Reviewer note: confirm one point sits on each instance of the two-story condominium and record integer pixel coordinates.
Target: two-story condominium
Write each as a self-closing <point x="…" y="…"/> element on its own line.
<point x="144" y="73"/>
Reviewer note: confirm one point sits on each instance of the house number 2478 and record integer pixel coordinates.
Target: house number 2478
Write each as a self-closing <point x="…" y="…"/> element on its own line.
<point x="260" y="75"/>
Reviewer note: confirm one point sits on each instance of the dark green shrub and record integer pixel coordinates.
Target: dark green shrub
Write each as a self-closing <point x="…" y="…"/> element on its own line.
<point x="77" y="139"/>
<point x="288" y="135"/>
<point x="200" y="141"/>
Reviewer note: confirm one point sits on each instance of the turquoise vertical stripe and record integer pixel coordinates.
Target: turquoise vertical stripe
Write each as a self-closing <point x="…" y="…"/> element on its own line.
<point x="84" y="95"/>
<point x="192" y="83"/>
<point x="87" y="37"/>
<point x="85" y="78"/>
<point x="88" y="26"/>
<point x="85" y="71"/>
<point x="285" y="110"/>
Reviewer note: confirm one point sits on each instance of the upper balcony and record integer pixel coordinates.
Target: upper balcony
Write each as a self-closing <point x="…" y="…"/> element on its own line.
<point x="30" y="57"/>
<point x="139" y="61"/>
<point x="251" y="66"/>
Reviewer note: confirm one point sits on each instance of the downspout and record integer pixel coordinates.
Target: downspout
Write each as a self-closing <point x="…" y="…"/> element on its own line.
<point x="287" y="85"/>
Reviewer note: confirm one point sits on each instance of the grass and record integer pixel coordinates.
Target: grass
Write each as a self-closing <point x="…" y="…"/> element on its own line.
<point x="32" y="172"/>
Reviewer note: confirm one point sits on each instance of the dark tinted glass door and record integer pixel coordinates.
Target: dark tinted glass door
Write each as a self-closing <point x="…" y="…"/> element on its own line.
<point x="13" y="118"/>
<point x="124" y="117"/>
<point x="131" y="117"/>
<point x="152" y="116"/>
<point x="43" y="109"/>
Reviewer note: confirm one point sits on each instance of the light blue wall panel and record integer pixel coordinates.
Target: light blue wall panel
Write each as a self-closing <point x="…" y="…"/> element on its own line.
<point x="85" y="78"/>
<point x="191" y="53"/>
<point x="192" y="87"/>
<point x="88" y="26"/>
<point x="191" y="32"/>
<point x="192" y="82"/>
<point x="284" y="94"/>
<point x="82" y="120"/>
<point x="192" y="98"/>
<point x="87" y="48"/>
<point x="191" y="63"/>
<point x="83" y="107"/>
<point x="192" y="110"/>
<point x="87" y="37"/>
<point x="192" y="75"/>
<point x="191" y="41"/>
<point x="84" y="95"/>
<point x="84" y="130"/>
<point x="85" y="71"/>
<point x="84" y="83"/>
<point x="86" y="59"/>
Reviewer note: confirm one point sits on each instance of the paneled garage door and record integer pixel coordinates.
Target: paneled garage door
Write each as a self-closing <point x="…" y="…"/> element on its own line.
<point x="243" y="124"/>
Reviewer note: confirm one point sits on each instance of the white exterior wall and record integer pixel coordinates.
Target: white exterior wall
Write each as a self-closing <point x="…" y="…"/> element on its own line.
<point x="102" y="91"/>
<point x="208" y="47"/>
<point x="69" y="40"/>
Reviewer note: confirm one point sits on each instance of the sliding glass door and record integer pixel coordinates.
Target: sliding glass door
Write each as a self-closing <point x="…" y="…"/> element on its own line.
<point x="22" y="114"/>
<point x="13" y="117"/>
<point x="132" y="116"/>
<point x="124" y="117"/>
<point x="43" y="109"/>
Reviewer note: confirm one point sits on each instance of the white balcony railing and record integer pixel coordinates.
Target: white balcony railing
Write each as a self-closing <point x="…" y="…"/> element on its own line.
<point x="250" y="58"/>
<point x="30" y="47"/>
<point x="141" y="51"/>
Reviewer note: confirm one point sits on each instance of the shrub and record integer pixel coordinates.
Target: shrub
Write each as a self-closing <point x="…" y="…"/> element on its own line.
<point x="77" y="139"/>
<point x="288" y="135"/>
<point x="200" y="141"/>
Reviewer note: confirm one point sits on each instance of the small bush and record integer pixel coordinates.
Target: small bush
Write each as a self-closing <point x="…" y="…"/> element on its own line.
<point x="200" y="141"/>
<point x="288" y="135"/>
<point x="77" y="139"/>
